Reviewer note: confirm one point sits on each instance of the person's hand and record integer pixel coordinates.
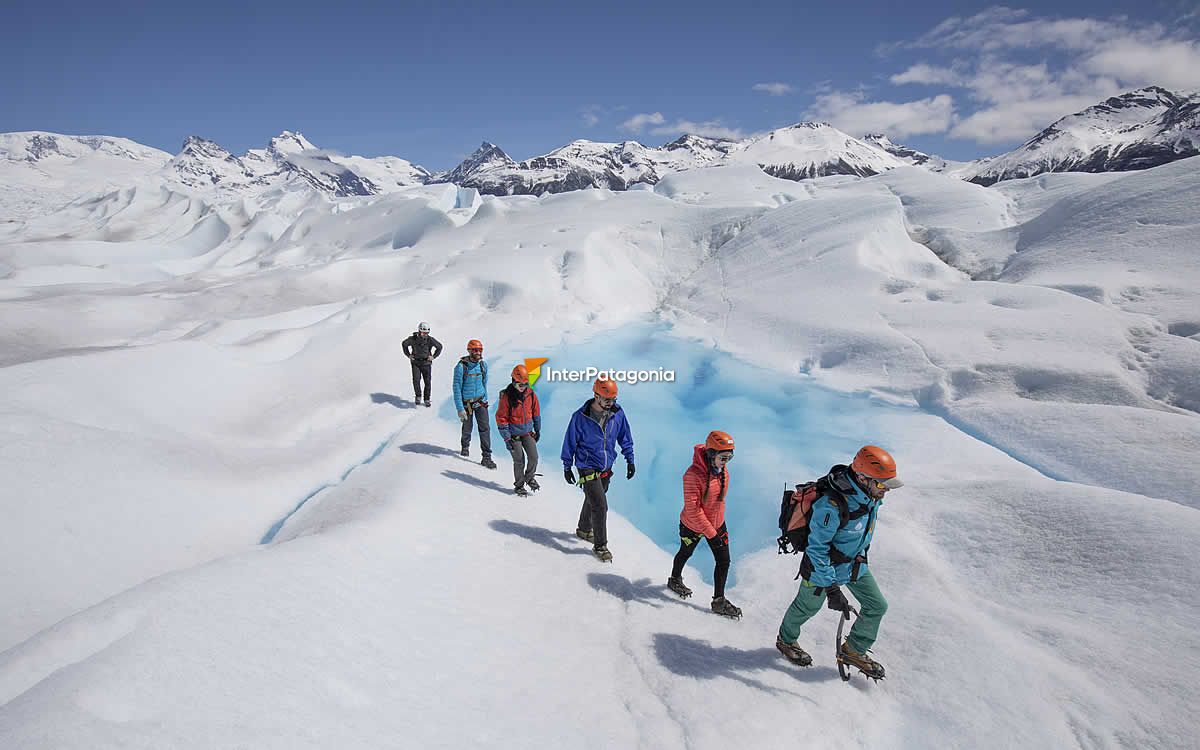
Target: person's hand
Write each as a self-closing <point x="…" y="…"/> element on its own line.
<point x="508" y="443"/>
<point x="630" y="471"/>
<point x="720" y="540"/>
<point x="462" y="416"/>
<point x="536" y="436"/>
<point x="836" y="600"/>
<point x="569" y="476"/>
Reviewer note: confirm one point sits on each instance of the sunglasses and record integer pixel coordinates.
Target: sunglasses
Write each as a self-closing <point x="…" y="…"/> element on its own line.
<point x="726" y="457"/>
<point x="606" y="401"/>
<point x="475" y="351"/>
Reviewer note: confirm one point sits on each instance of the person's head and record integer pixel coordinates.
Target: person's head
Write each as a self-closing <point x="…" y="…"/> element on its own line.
<point x="475" y="350"/>
<point x="520" y="377"/>
<point x="605" y="392"/>
<point x="718" y="448"/>
<point x="423" y="329"/>
<point x="874" y="471"/>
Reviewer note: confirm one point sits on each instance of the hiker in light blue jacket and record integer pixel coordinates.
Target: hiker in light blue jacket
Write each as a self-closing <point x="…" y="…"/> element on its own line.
<point x="470" y="398"/>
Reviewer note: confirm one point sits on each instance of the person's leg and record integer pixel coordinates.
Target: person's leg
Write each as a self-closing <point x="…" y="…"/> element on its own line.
<point x="485" y="430"/>
<point x="598" y="501"/>
<point x="518" y="457"/>
<point x="720" y="552"/>
<point x="807" y="603"/>
<point x="531" y="453"/>
<point x="416" y="373"/>
<point x="688" y="540"/>
<point x="585" y="515"/>
<point x="871" y="609"/>
<point x="467" y="426"/>
<point x="427" y="376"/>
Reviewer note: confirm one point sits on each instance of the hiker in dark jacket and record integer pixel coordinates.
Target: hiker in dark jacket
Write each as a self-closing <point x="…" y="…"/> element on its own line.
<point x="519" y="420"/>
<point x="421" y="349"/>
<point x="590" y="443"/>
<point x="841" y="527"/>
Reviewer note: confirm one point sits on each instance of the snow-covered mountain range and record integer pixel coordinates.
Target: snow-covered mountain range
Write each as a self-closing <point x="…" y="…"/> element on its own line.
<point x="1136" y="130"/>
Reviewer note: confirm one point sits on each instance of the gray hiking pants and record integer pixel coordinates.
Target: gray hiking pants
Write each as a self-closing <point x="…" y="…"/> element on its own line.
<point x="524" y="446"/>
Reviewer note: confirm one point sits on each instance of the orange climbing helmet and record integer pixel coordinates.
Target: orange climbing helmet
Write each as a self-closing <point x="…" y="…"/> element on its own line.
<point x="520" y="374"/>
<point x="719" y="441"/>
<point x="878" y="464"/>
<point x="474" y="344"/>
<point x="605" y="387"/>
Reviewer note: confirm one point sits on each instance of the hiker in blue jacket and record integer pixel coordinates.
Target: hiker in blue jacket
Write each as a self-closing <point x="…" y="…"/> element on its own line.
<point x="841" y="526"/>
<point x="470" y="397"/>
<point x="590" y="444"/>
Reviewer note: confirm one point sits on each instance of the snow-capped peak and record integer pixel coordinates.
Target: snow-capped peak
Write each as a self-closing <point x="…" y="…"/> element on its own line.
<point x="288" y="142"/>
<point x="1135" y="130"/>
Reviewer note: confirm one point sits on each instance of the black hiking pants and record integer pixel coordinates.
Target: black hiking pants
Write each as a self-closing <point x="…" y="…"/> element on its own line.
<point x="688" y="542"/>
<point x="593" y="516"/>
<point x="422" y="370"/>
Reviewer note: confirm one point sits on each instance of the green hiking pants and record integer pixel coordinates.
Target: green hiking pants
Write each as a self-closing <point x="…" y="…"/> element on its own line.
<point x="809" y="600"/>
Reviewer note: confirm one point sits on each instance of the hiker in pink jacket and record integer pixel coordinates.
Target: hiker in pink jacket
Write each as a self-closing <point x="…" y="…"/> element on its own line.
<point x="705" y="485"/>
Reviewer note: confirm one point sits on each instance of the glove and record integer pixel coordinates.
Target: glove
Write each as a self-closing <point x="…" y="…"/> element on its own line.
<point x="411" y="357"/>
<point x="536" y="436"/>
<point x="509" y="444"/>
<point x="630" y="471"/>
<point x="836" y="600"/>
<point x="462" y="416"/>
<point x="569" y="476"/>
<point x="720" y="540"/>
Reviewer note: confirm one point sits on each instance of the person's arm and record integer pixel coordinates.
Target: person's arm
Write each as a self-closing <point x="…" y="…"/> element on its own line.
<point x="407" y="346"/>
<point x="436" y="351"/>
<point x="503" y="417"/>
<point x="483" y="373"/>
<point x="693" y="514"/>
<point x="625" y="436"/>
<point x="537" y="414"/>
<point x="569" y="444"/>
<point x="821" y="528"/>
<point x="458" y="387"/>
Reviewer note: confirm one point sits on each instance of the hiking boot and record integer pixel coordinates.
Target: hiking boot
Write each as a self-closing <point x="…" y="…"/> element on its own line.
<point x="533" y="485"/>
<point x="427" y="403"/>
<point x="488" y="462"/>
<point x="793" y="653"/>
<point x="725" y="608"/>
<point x="586" y="536"/>
<point x="676" y="585"/>
<point x="520" y="490"/>
<point x="464" y="452"/>
<point x="416" y="399"/>
<point x="865" y="664"/>
<point x="602" y="553"/>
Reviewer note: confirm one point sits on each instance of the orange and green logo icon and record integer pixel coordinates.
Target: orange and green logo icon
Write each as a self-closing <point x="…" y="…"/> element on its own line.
<point x="534" y="367"/>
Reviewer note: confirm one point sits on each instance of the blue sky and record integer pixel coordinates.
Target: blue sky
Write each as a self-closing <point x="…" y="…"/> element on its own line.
<point x="429" y="80"/>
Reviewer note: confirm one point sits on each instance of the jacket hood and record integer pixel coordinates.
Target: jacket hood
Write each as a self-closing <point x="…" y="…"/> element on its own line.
<point x="588" y="405"/>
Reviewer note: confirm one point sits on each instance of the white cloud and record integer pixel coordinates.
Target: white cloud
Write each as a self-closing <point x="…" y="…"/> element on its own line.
<point x="774" y="89"/>
<point x="638" y="122"/>
<point x="927" y="74"/>
<point x="708" y="128"/>
<point x="591" y="115"/>
<point x="850" y="111"/>
<point x="1017" y="97"/>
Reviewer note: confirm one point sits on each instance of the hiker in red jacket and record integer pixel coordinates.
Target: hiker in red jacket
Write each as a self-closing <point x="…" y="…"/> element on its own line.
<point x="705" y="486"/>
<point x="519" y="419"/>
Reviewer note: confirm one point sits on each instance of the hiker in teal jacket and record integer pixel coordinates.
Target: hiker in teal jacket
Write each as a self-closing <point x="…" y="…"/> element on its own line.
<point x="840" y="530"/>
<point x="470" y="398"/>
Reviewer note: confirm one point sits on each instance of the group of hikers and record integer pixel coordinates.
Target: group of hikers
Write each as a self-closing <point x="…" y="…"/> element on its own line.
<point x="832" y="520"/>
